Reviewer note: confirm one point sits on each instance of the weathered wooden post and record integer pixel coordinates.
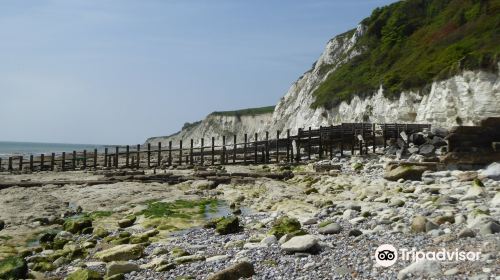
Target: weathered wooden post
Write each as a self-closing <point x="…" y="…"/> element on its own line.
<point x="362" y="139"/>
<point x="267" y="147"/>
<point x="169" y="153"/>
<point x="180" y="152"/>
<point x="397" y="131"/>
<point x="288" y="145"/>
<point x="353" y="139"/>
<point x="373" y="137"/>
<point x="117" y="156"/>
<point x="255" y="152"/>
<point x="31" y="163"/>
<point x="191" y="152"/>
<point x="277" y="146"/>
<point x="245" y="149"/>
<point x="0" y="164"/>
<point x="202" y="151"/>
<point x="234" y="148"/>
<point x="299" y="136"/>
<point x="342" y="140"/>
<point x="42" y="162"/>
<point x="105" y="157"/>
<point x="159" y="155"/>
<point x="213" y="150"/>
<point x="133" y="161"/>
<point x="95" y="158"/>
<point x="63" y="161"/>
<point x="138" y="156"/>
<point x="127" y="156"/>
<point x="52" y="161"/>
<point x="84" y="159"/>
<point x="330" y="140"/>
<point x="223" y="158"/>
<point x="309" y="145"/>
<point x="73" y="160"/>
<point x="385" y="135"/>
<point x="10" y="164"/>
<point x="320" y="152"/>
<point x="20" y="163"/>
<point x="149" y="155"/>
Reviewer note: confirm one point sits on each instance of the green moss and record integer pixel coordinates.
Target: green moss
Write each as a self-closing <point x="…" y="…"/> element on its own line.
<point x="13" y="268"/>
<point x="246" y="112"/>
<point x="324" y="223"/>
<point x="99" y="214"/>
<point x="228" y="225"/>
<point x="477" y="183"/>
<point x="284" y="225"/>
<point x="84" y="274"/>
<point x="5" y="237"/>
<point x="177" y="252"/>
<point x="43" y="267"/>
<point x="177" y="208"/>
<point x="409" y="44"/>
<point x="76" y="225"/>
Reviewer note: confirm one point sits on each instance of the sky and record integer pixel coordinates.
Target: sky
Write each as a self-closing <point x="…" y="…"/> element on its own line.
<point x="120" y="71"/>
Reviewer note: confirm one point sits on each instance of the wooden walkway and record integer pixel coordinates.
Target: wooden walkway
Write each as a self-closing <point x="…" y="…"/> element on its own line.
<point x="324" y="142"/>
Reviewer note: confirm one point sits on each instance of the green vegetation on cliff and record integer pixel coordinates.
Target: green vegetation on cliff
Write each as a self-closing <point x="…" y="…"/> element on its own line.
<point x="246" y="112"/>
<point x="411" y="43"/>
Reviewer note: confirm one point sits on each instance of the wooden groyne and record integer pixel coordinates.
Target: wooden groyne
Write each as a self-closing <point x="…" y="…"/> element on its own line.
<point x="321" y="143"/>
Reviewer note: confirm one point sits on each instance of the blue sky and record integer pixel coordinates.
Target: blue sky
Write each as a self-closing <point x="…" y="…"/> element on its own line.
<point x="120" y="71"/>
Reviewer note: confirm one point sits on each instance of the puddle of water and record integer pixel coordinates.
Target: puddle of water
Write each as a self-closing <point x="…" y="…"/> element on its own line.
<point x="222" y="210"/>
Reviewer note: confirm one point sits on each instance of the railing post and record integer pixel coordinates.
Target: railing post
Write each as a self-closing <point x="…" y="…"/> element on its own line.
<point x="353" y="139"/>
<point x="234" y="148"/>
<point x="202" y="151"/>
<point x="73" y="160"/>
<point x="10" y="164"/>
<point x="363" y="139"/>
<point x="213" y="150"/>
<point x="138" y="156"/>
<point x="191" y="152"/>
<point x="20" y="163"/>
<point x="52" y="161"/>
<point x="31" y="163"/>
<point x="127" y="156"/>
<point x="117" y="156"/>
<point x="373" y="137"/>
<point x="320" y="152"/>
<point x="267" y="147"/>
<point x="42" y="162"/>
<point x="255" y="151"/>
<point x="384" y="135"/>
<point x="277" y="146"/>
<point x="106" y="157"/>
<point x="299" y="136"/>
<point x="63" y="161"/>
<point x="95" y="158"/>
<point x="84" y="159"/>
<point x="309" y="145"/>
<point x="223" y="158"/>
<point x="149" y="155"/>
<point x="288" y="145"/>
<point x="330" y="140"/>
<point x="180" y="152"/>
<point x="159" y="155"/>
<point x="245" y="149"/>
<point x="169" y="153"/>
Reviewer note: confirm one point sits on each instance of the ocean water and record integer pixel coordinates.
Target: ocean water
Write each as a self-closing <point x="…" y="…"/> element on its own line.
<point x="31" y="148"/>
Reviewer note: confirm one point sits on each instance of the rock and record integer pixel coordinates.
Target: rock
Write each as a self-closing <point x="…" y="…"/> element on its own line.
<point x="396" y="202"/>
<point x="165" y="267"/>
<point x="100" y="232"/>
<point x="418" y="224"/>
<point x="440" y="131"/>
<point x="269" y="240"/>
<point x="467" y="232"/>
<point x="355" y="232"/>
<point x="490" y="227"/>
<point x="427" y="149"/>
<point x="13" y="268"/>
<point x="332" y="228"/>
<point x="430" y="226"/>
<point x="467" y="176"/>
<point x="452" y="271"/>
<point x="357" y="166"/>
<point x="77" y="225"/>
<point x="204" y="185"/>
<point x="406" y="172"/>
<point x="121" y="253"/>
<point x="495" y="201"/>
<point x="284" y="225"/>
<point x="228" y="225"/>
<point x="156" y="262"/>
<point x="159" y="251"/>
<point x="179" y="252"/>
<point x="417" y="139"/>
<point x="84" y="274"/>
<point x="444" y="219"/>
<point x="121" y="267"/>
<point x="474" y="193"/>
<point x="423" y="268"/>
<point x="325" y="166"/>
<point x="2" y="224"/>
<point x="302" y="243"/>
<point x="413" y="150"/>
<point x="492" y="171"/>
<point x="188" y="259"/>
<point x="217" y="258"/>
<point x="234" y="272"/>
<point x="445" y="199"/>
<point x="126" y="222"/>
<point x="308" y="221"/>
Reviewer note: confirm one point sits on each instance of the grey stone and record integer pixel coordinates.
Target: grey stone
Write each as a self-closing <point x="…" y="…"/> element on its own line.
<point x="332" y="228"/>
<point x="300" y="243"/>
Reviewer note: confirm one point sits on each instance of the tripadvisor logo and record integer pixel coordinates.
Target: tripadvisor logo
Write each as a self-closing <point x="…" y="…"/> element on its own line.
<point x="387" y="255"/>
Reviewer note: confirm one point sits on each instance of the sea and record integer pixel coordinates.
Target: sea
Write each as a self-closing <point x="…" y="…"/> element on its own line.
<point x="32" y="148"/>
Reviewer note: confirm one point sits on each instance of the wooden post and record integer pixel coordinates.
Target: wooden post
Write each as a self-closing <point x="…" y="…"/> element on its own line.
<point x="159" y="155"/>
<point x="10" y="164"/>
<point x="95" y="158"/>
<point x="127" y="156"/>
<point x="309" y="145"/>
<point x="397" y="131"/>
<point x="138" y="156"/>
<point x="31" y="163"/>
<point x="117" y="156"/>
<point x="384" y="135"/>
<point x="277" y="146"/>
<point x="149" y="155"/>
<point x="169" y="153"/>
<point x="223" y="158"/>
<point x="299" y="136"/>
<point x="245" y="149"/>
<point x="63" y="161"/>
<point x="213" y="150"/>
<point x="288" y="145"/>
<point x="191" y="152"/>
<point x="234" y="148"/>
<point x="202" y="151"/>
<point x="353" y="139"/>
<point x="320" y="142"/>
<point x="133" y="161"/>
<point x="0" y="164"/>
<point x="105" y="157"/>
<point x="267" y="146"/>
<point x="52" y="161"/>
<point x="330" y="140"/>
<point x="73" y="160"/>
<point x="84" y="159"/>
<point x="255" y="152"/>
<point x="373" y="137"/>
<point x="20" y="163"/>
<point x="180" y="152"/>
<point x="42" y="162"/>
<point x="342" y="140"/>
<point x="361" y="141"/>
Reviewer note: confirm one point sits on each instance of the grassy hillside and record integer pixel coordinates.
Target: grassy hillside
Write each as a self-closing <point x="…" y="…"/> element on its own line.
<point x="411" y="43"/>
<point x="246" y="112"/>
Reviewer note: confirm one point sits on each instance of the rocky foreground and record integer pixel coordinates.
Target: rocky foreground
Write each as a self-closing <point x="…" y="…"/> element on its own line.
<point x="323" y="220"/>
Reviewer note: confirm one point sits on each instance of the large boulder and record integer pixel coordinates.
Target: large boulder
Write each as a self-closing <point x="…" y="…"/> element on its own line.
<point x="234" y="272"/>
<point x="285" y="225"/>
<point x="406" y="172"/>
<point x="302" y="243"/>
<point x="121" y="253"/>
<point x="228" y="225"/>
<point x="84" y="274"/>
<point x="77" y="225"/>
<point x="13" y="268"/>
<point x="332" y="228"/>
<point x="121" y="267"/>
